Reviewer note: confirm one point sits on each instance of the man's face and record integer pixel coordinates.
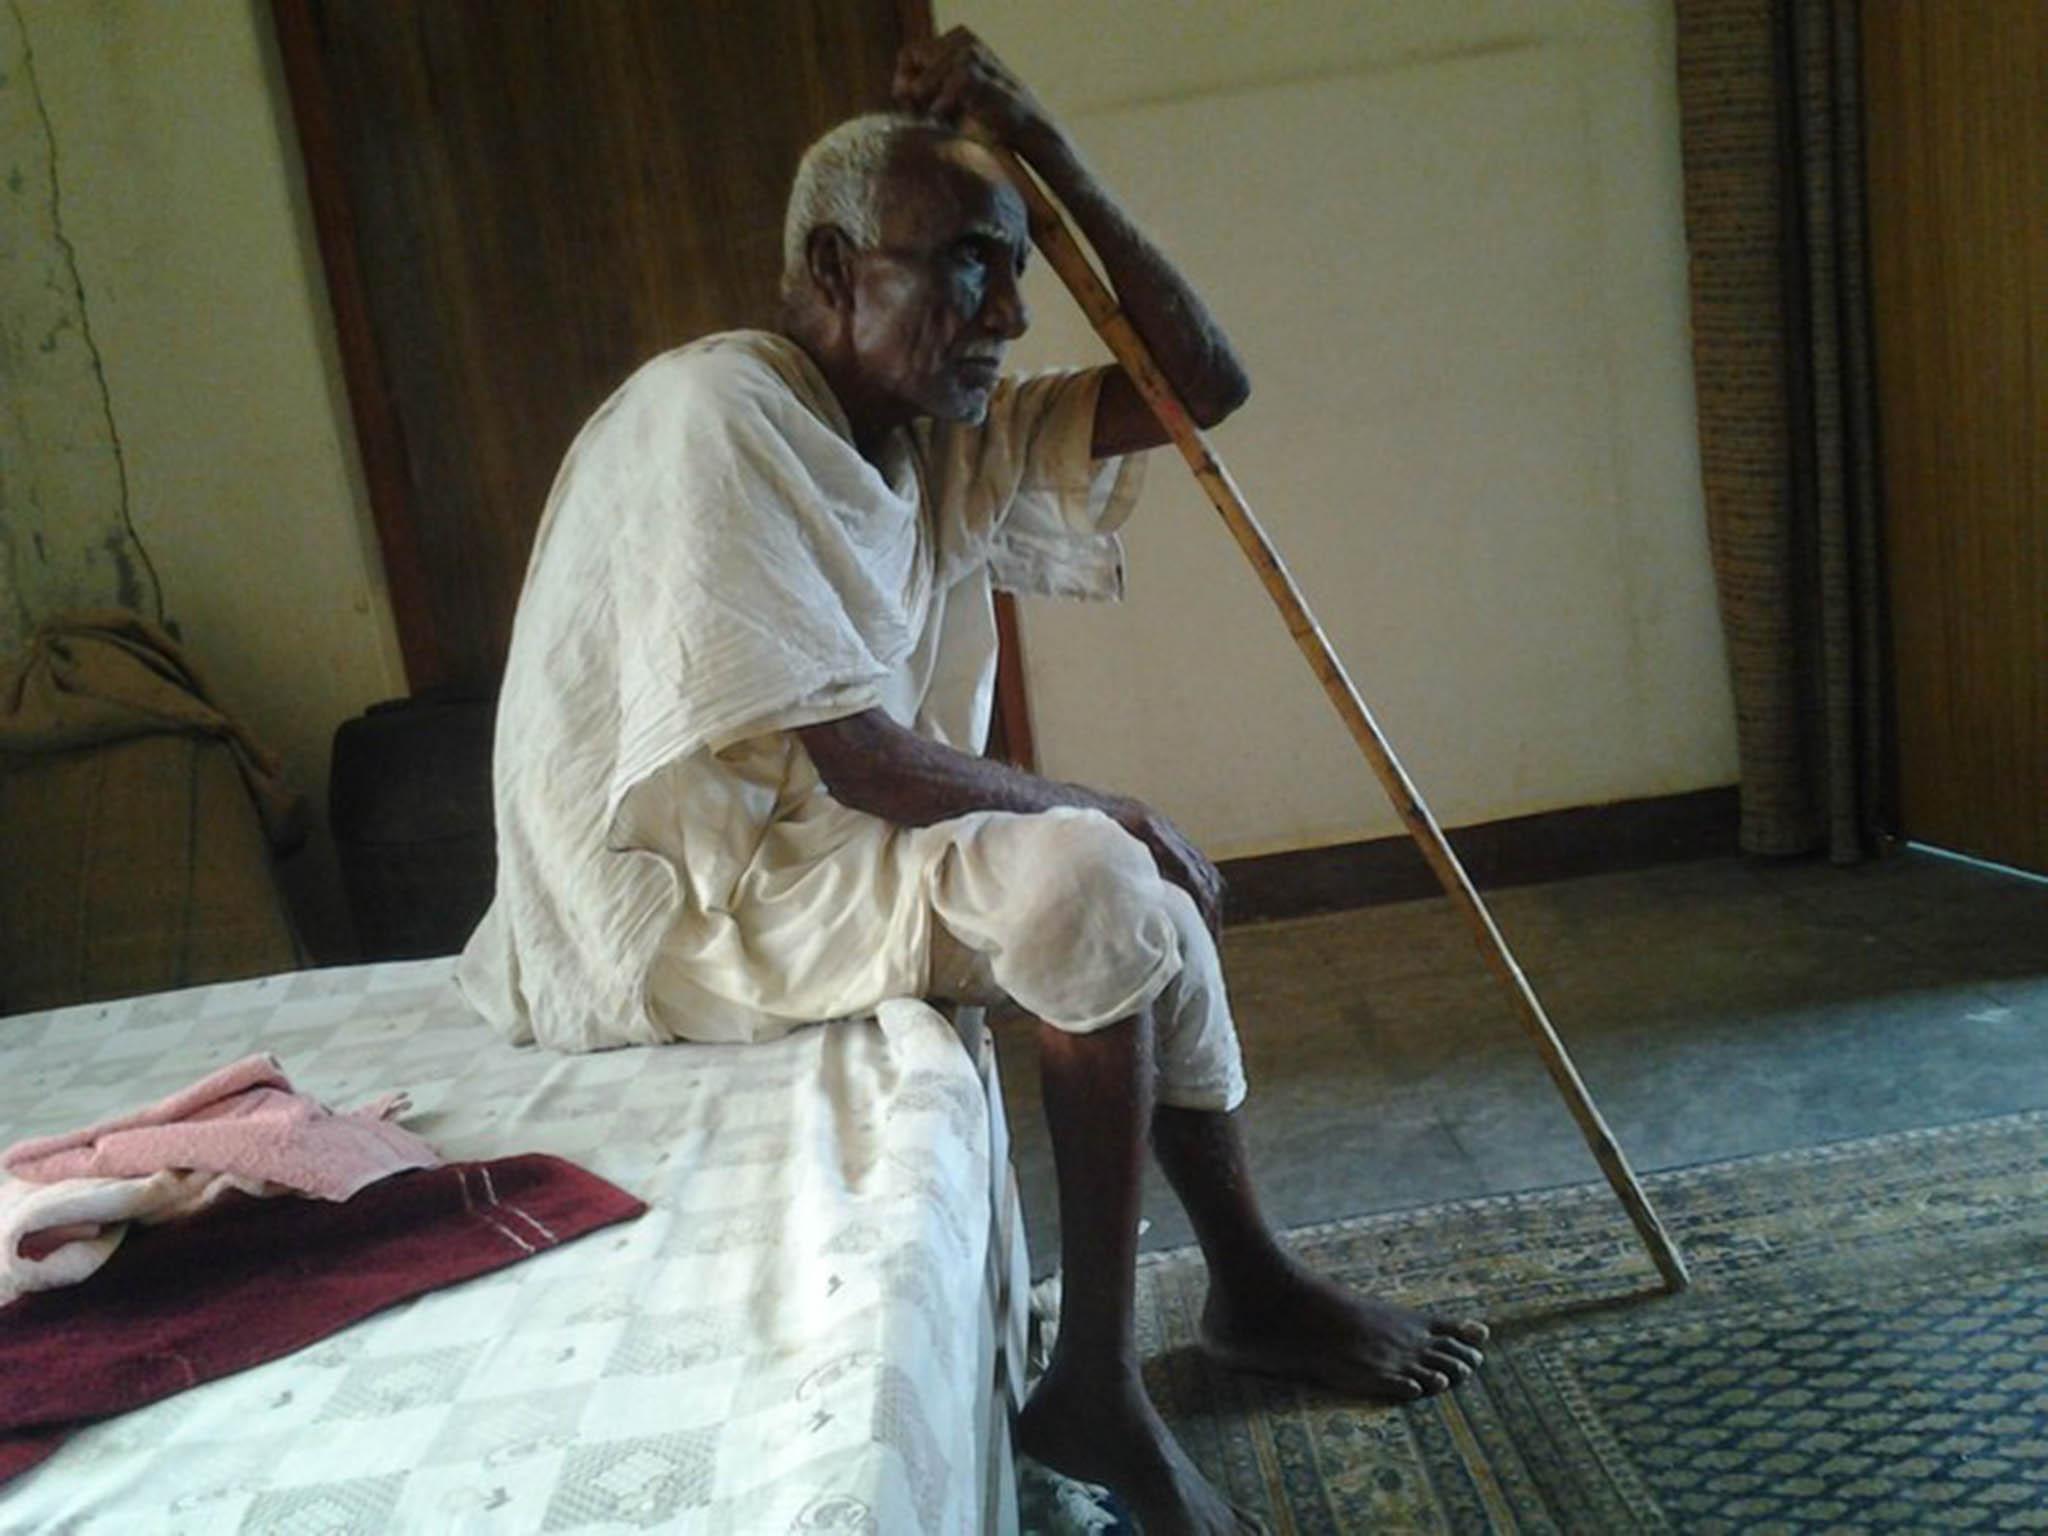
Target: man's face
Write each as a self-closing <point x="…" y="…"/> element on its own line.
<point x="936" y="304"/>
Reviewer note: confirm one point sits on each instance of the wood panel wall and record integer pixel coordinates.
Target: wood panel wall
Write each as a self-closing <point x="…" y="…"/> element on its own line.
<point x="1957" y="124"/>
<point x="518" y="204"/>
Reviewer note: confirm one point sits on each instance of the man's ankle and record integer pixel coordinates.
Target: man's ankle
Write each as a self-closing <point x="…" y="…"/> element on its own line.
<point x="1080" y="1364"/>
<point x="1245" y="1278"/>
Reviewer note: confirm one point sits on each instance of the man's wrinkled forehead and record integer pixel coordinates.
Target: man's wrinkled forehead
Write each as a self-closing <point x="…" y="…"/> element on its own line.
<point x="941" y="187"/>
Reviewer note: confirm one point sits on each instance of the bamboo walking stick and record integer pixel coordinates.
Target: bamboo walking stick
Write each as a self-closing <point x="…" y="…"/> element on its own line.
<point x="1049" y="231"/>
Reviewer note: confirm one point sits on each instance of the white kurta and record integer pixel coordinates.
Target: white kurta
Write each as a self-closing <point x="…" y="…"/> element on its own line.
<point x="716" y="566"/>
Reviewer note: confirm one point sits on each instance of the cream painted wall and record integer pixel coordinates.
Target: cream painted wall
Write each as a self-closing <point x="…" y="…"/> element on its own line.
<point x="1448" y="238"/>
<point x="1447" y="235"/>
<point x="180" y="192"/>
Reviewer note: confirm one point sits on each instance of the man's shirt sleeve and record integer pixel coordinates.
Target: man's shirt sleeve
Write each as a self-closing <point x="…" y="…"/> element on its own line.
<point x="1023" y="491"/>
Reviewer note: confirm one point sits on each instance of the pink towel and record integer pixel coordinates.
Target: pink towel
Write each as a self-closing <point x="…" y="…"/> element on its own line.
<point x="57" y="1234"/>
<point x="243" y="1120"/>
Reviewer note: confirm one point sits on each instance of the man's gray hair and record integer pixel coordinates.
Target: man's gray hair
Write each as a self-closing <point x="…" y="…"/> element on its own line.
<point x="839" y="182"/>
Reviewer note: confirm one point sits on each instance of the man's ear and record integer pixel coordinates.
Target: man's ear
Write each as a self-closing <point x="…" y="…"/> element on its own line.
<point x="828" y="254"/>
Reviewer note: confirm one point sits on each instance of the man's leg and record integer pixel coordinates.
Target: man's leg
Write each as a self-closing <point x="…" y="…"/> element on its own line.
<point x="1066" y="915"/>
<point x="1268" y="1312"/>
<point x="1089" y="1415"/>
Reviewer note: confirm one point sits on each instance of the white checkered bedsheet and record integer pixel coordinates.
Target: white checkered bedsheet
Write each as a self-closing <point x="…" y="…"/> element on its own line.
<point x="814" y="1328"/>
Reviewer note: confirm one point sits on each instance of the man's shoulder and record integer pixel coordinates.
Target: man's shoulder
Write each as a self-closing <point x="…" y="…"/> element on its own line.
<point x="726" y="367"/>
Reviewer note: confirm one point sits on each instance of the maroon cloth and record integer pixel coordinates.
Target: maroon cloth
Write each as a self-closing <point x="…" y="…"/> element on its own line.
<point x="255" y="1279"/>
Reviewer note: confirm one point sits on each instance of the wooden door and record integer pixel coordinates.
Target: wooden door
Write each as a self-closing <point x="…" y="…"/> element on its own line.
<point x="1957" y="125"/>
<point x="519" y="201"/>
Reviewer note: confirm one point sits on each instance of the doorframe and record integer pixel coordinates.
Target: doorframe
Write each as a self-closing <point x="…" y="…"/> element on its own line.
<point x="380" y="439"/>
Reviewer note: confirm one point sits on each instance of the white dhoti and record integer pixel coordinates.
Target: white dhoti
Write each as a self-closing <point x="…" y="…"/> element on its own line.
<point x="719" y="567"/>
<point x="1096" y="936"/>
<point x="1062" y="913"/>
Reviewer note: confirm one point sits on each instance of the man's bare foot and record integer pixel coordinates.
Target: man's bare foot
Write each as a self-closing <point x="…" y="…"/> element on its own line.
<point x="1105" y="1430"/>
<point x="1299" y="1325"/>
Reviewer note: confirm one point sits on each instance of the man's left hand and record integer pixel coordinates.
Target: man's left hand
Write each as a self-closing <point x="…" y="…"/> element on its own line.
<point x="1180" y="862"/>
<point x="959" y="80"/>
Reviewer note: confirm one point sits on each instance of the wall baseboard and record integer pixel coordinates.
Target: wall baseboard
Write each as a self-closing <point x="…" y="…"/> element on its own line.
<point x="1522" y="850"/>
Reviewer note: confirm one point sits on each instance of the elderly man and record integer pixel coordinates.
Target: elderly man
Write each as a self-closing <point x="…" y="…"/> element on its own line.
<point x="738" y="786"/>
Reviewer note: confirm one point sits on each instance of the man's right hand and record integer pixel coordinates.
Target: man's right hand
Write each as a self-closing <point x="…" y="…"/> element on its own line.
<point x="959" y="80"/>
<point x="1180" y="862"/>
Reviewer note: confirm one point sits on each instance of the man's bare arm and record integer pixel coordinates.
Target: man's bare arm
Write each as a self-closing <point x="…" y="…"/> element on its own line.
<point x="1176" y="325"/>
<point x="955" y="78"/>
<point x="870" y="763"/>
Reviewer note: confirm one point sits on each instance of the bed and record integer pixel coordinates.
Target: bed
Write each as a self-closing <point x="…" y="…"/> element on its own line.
<point x="817" y="1326"/>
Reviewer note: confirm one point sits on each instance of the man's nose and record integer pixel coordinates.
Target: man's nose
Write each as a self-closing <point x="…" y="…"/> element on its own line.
<point x="1005" y="312"/>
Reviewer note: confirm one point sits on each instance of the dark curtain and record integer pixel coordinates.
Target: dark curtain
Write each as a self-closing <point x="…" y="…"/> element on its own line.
<point x="1770" y="112"/>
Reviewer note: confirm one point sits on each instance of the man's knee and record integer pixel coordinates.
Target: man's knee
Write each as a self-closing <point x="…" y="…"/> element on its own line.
<point x="1068" y="906"/>
<point x="1114" y="1047"/>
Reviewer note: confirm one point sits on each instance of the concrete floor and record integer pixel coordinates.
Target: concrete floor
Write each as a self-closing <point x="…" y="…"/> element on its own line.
<point x="1715" y="1009"/>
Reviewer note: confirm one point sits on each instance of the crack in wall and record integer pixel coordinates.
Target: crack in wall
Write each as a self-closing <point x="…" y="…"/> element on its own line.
<point x="129" y="589"/>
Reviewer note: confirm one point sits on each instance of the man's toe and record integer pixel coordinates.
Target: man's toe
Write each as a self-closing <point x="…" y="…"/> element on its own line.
<point x="1442" y="1361"/>
<point x="1470" y="1330"/>
<point x="1465" y="1354"/>
<point x="1402" y="1389"/>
